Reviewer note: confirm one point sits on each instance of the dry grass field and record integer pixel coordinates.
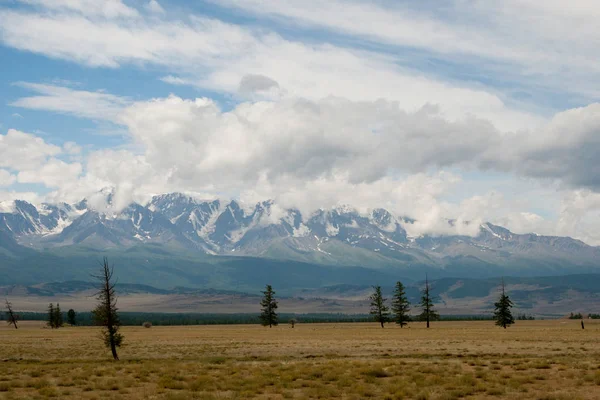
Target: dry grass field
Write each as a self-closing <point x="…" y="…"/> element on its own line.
<point x="452" y="360"/>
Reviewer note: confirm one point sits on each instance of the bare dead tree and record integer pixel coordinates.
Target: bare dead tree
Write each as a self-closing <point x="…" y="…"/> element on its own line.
<point x="429" y="312"/>
<point x="12" y="317"/>
<point x="105" y="313"/>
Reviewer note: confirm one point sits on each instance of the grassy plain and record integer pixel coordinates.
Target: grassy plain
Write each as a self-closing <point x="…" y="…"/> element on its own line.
<point x="531" y="360"/>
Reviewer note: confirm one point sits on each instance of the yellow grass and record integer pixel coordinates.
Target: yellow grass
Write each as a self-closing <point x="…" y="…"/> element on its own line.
<point x="452" y="360"/>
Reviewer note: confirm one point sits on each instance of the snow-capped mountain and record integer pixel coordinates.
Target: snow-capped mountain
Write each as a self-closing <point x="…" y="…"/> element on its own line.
<point x="22" y="218"/>
<point x="339" y="236"/>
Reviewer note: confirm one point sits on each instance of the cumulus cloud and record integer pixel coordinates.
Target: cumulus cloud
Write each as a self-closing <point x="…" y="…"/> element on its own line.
<point x="259" y="86"/>
<point x="362" y="141"/>
<point x="7" y="199"/>
<point x="6" y="178"/>
<point x="20" y="150"/>
<point x="566" y="149"/>
<point x="53" y="173"/>
<point x="580" y="215"/>
<point x="155" y="7"/>
<point x="71" y="148"/>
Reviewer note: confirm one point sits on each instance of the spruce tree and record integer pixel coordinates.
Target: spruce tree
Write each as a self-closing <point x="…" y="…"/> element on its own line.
<point x="400" y="305"/>
<point x="105" y="313"/>
<point x="268" y="315"/>
<point x="58" y="319"/>
<point x="71" y="317"/>
<point x="428" y="314"/>
<point x="51" y="316"/>
<point x="502" y="314"/>
<point x="378" y="308"/>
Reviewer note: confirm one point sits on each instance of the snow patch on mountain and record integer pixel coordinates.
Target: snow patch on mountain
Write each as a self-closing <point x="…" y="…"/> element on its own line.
<point x="209" y="227"/>
<point x="487" y="228"/>
<point x="352" y="225"/>
<point x="332" y="230"/>
<point x="301" y="231"/>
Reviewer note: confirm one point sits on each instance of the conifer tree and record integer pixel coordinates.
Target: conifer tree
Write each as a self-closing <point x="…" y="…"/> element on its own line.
<point x="400" y="305"/>
<point x="71" y="317"/>
<point x="502" y="314"/>
<point x="378" y="308"/>
<point x="10" y="314"/>
<point x="58" y="319"/>
<point x="428" y="314"/>
<point x="105" y="313"/>
<point x="51" y="316"/>
<point x="268" y="314"/>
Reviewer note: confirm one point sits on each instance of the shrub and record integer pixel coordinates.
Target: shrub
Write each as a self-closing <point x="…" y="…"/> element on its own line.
<point x="147" y="324"/>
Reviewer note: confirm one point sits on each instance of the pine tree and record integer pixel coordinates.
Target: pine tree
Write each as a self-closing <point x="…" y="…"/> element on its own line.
<point x="71" y="317"/>
<point x="51" y="316"/>
<point x="105" y="313"/>
<point x="378" y="308"/>
<point x="10" y="314"/>
<point x="502" y="314"/>
<point x="58" y="319"/>
<point x="428" y="314"/>
<point x="400" y="305"/>
<point x="268" y="315"/>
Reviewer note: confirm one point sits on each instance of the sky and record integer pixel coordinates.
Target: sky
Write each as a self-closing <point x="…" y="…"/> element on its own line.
<point x="468" y="110"/>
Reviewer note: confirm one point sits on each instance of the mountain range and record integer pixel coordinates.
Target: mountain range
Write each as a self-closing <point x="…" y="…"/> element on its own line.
<point x="181" y="240"/>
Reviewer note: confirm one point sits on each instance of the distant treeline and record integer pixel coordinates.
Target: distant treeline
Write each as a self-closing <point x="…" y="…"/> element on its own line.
<point x="158" y="319"/>
<point x="580" y="316"/>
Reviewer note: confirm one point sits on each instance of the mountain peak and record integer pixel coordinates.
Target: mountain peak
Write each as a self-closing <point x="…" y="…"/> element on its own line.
<point x="339" y="235"/>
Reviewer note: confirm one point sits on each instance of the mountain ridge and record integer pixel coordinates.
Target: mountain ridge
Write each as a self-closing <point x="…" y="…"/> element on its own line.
<point x="340" y="236"/>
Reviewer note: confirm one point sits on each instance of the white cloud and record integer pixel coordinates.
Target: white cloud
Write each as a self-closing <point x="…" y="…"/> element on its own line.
<point x="174" y="80"/>
<point x="91" y="8"/>
<point x="580" y="216"/>
<point x="72" y="148"/>
<point x="566" y="149"/>
<point x="300" y="138"/>
<point x="154" y="7"/>
<point x="19" y="150"/>
<point x="112" y="42"/>
<point x="260" y="87"/>
<point x="6" y="178"/>
<point x="53" y="173"/>
<point x="217" y="56"/>
<point x="80" y="103"/>
<point x="533" y="40"/>
<point x="7" y="198"/>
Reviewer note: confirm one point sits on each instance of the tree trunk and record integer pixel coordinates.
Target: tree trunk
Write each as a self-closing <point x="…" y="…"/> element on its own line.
<point x="113" y="348"/>
<point x="110" y="322"/>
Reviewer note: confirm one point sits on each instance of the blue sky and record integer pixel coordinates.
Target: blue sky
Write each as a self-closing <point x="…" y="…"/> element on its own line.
<point x="468" y="110"/>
